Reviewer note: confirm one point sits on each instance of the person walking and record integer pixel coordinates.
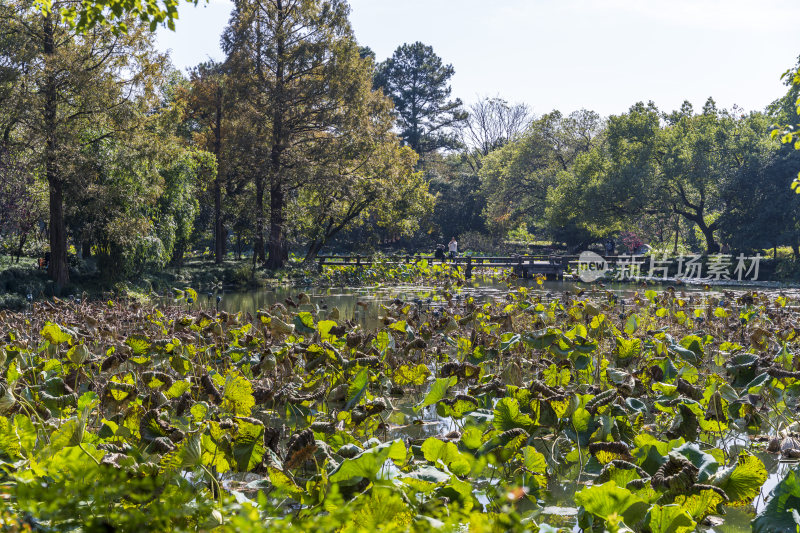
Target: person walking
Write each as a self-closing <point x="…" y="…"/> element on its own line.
<point x="453" y="248"/>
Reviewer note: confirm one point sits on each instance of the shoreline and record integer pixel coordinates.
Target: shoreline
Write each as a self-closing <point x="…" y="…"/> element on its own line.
<point x="19" y="286"/>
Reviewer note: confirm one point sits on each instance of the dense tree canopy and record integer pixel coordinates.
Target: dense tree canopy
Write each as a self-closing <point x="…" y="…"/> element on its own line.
<point x="75" y="94"/>
<point x="516" y="178"/>
<point x="302" y="140"/>
<point x="309" y="88"/>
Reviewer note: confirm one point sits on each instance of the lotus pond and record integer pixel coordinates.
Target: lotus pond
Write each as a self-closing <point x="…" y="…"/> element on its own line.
<point x="450" y="405"/>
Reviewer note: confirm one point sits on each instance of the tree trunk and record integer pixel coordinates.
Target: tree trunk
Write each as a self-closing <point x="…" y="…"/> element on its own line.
<point x="708" y="233"/>
<point x="22" y="238"/>
<point x="276" y="244"/>
<point x="277" y="250"/>
<point x="258" y="251"/>
<point x="677" y="232"/>
<point x="219" y="230"/>
<point x="86" y="249"/>
<point x="711" y="244"/>
<point x="177" y="254"/>
<point x="313" y="250"/>
<point x="58" y="268"/>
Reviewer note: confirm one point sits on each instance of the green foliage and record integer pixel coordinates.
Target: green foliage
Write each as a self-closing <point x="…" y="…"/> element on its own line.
<point x="669" y="519"/>
<point x="418" y="82"/>
<point x="113" y="13"/>
<point x="438" y="391"/>
<point x="608" y="500"/>
<point x="302" y="420"/>
<point x="179" y="205"/>
<point x="742" y="481"/>
<point x="368" y="463"/>
<point x="781" y="515"/>
<point x="517" y="177"/>
<point x="507" y="415"/>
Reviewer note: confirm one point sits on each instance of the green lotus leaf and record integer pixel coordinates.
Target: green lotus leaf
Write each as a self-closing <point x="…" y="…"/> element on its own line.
<point x="55" y="334"/>
<point x="608" y="499"/>
<point x="668" y="519"/>
<point x="781" y="513"/>
<point x="743" y="481"/>
<point x="507" y="415"/>
<point x="368" y="463"/>
<point x="438" y="391"/>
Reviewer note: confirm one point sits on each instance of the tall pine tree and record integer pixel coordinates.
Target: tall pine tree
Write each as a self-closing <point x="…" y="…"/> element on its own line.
<point x="419" y="83"/>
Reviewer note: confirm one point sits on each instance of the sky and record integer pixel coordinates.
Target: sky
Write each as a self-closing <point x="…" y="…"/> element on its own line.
<point x="603" y="55"/>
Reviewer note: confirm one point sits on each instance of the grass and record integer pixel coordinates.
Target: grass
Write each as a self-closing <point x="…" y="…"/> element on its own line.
<point x="9" y="261"/>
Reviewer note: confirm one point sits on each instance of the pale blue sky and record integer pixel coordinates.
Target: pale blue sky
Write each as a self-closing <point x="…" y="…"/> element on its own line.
<point x="568" y="54"/>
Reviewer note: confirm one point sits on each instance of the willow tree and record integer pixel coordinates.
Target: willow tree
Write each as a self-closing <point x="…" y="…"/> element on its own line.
<point x="76" y="90"/>
<point x="305" y="78"/>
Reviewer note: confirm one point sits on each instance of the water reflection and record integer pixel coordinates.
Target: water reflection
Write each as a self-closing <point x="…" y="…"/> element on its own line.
<point x="365" y="304"/>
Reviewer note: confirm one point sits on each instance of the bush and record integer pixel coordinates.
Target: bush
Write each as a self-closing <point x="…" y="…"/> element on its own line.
<point x="787" y="270"/>
<point x="23" y="281"/>
<point x="521" y="235"/>
<point x="479" y="242"/>
<point x="242" y="274"/>
<point x="14" y="302"/>
<point x="141" y="253"/>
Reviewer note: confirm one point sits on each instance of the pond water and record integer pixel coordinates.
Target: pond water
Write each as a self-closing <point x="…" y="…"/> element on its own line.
<point x="364" y="305"/>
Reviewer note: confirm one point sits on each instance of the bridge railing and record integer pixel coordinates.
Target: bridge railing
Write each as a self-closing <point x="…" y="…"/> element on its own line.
<point x="563" y="261"/>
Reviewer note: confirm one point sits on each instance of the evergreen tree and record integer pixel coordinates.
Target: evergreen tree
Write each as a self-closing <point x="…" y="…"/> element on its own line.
<point x="304" y="76"/>
<point x="419" y="84"/>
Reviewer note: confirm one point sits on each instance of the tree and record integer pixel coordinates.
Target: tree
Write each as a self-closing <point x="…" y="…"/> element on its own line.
<point x="75" y="92"/>
<point x="787" y="112"/>
<point x="22" y="196"/>
<point x="84" y="15"/>
<point x="418" y="83"/>
<point x="516" y="178"/>
<point x="662" y="170"/>
<point x="492" y="122"/>
<point x="306" y="80"/>
<point x="209" y="109"/>
<point x="460" y="201"/>
<point x="361" y="175"/>
<point x="178" y="202"/>
<point x="757" y="214"/>
<point x="383" y="191"/>
<point x="701" y="154"/>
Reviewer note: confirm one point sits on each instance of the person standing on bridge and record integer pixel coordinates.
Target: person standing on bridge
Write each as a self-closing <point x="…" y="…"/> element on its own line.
<point x="439" y="254"/>
<point x="453" y="248"/>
